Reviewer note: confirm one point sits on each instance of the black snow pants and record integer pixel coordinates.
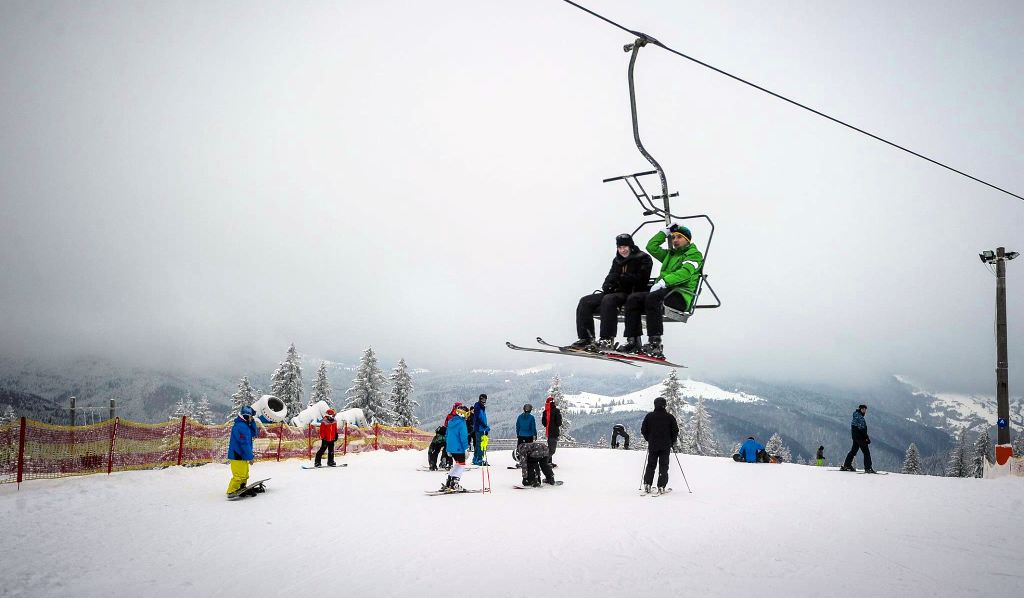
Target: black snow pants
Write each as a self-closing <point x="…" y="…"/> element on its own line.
<point x="650" y="305"/>
<point x="325" y="445"/>
<point x="657" y="458"/>
<point x="535" y="466"/>
<point x="860" y="441"/>
<point x="607" y="304"/>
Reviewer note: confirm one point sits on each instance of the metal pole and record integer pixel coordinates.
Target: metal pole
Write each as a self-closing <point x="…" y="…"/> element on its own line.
<point x="644" y="470"/>
<point x="1002" y="366"/>
<point x="634" y="49"/>
<point x="682" y="472"/>
<point x="72" y="409"/>
<point x="113" y="410"/>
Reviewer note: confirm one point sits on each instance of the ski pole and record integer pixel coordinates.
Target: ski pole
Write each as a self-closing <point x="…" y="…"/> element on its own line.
<point x="682" y="472"/>
<point x="644" y="470"/>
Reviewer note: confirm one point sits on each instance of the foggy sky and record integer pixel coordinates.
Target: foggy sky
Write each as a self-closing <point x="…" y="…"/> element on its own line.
<point x="206" y="182"/>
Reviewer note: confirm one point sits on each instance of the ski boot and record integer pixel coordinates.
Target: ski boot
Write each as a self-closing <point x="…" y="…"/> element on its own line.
<point x="847" y="468"/>
<point x="455" y="487"/>
<point x="583" y="344"/>
<point x="550" y="482"/>
<point x="632" y="345"/>
<point x="248" y="491"/>
<point x="869" y="470"/>
<point x="605" y="345"/>
<point x="535" y="483"/>
<point x="661" y="490"/>
<point x="653" y="348"/>
<point x="447" y="484"/>
<point x="647" y="488"/>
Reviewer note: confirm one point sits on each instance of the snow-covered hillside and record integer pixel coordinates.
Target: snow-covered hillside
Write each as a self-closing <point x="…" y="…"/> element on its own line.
<point x="643" y="400"/>
<point x="953" y="411"/>
<point x="747" y="530"/>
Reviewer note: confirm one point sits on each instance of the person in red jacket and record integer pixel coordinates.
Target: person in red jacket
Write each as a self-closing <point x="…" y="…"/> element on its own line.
<point x="328" y="435"/>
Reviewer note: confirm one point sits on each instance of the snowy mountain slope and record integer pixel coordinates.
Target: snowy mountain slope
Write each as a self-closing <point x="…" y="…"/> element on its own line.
<point x="643" y="399"/>
<point x="747" y="530"/>
<point x="954" y="411"/>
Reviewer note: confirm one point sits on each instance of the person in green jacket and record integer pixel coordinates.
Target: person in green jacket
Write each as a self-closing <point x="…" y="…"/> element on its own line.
<point x="676" y="285"/>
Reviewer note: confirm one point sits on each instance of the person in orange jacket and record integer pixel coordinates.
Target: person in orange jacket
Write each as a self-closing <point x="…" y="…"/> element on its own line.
<point x="328" y="435"/>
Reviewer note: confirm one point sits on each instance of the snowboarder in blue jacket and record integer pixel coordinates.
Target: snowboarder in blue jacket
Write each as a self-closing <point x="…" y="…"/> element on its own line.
<point x="859" y="431"/>
<point x="240" y="454"/>
<point x="480" y="429"/>
<point x="456" y="441"/>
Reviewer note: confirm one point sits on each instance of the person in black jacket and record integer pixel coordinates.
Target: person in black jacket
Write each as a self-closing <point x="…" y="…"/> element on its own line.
<point x="661" y="430"/>
<point x="551" y="419"/>
<point x="630" y="273"/>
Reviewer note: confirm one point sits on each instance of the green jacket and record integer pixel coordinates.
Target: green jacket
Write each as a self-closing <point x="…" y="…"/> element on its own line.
<point x="679" y="267"/>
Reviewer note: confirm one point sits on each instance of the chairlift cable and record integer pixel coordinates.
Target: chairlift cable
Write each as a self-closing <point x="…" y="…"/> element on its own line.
<point x="655" y="42"/>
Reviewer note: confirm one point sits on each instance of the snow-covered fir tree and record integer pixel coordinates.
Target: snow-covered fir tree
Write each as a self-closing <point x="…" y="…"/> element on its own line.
<point x="672" y="391"/>
<point x="912" y="461"/>
<point x="959" y="463"/>
<point x="286" y="383"/>
<point x="776" y="447"/>
<point x="701" y="435"/>
<point x="1018" y="444"/>
<point x="245" y="396"/>
<point x="368" y="391"/>
<point x="7" y="414"/>
<point x="401" y="396"/>
<point x="982" y="451"/>
<point x="203" y="414"/>
<point x="555" y="391"/>
<point x="321" y="387"/>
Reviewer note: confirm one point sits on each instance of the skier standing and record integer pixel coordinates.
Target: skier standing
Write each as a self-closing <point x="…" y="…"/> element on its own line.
<point x="436" y="448"/>
<point x="240" y="454"/>
<point x="480" y="430"/>
<point x="819" y="459"/>
<point x="680" y="270"/>
<point x="328" y="435"/>
<point x="457" y="441"/>
<point x="630" y="271"/>
<point x="661" y="430"/>
<point x="859" y="431"/>
<point x="552" y="421"/>
<point x="534" y="458"/>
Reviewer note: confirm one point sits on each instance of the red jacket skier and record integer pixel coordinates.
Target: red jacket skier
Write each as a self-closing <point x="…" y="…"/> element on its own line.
<point x="328" y="435"/>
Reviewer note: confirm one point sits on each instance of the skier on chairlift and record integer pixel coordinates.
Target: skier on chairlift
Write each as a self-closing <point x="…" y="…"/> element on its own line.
<point x="629" y="273"/>
<point x="675" y="286"/>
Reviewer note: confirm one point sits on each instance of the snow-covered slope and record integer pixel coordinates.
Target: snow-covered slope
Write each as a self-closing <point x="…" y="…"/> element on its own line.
<point x="953" y="411"/>
<point x="643" y="400"/>
<point x="747" y="530"/>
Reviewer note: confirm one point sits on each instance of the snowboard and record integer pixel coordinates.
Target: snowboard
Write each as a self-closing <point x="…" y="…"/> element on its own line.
<point x="522" y="487"/>
<point x="440" y="493"/>
<point x="876" y="473"/>
<point x="425" y="468"/>
<point x="238" y="493"/>
<point x="325" y="466"/>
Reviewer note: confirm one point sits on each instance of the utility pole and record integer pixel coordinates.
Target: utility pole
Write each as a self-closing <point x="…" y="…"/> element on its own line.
<point x="1004" y="449"/>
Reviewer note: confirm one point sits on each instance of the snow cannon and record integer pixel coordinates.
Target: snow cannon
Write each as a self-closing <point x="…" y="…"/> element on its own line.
<point x="353" y="417"/>
<point x="270" y="409"/>
<point x="310" y="415"/>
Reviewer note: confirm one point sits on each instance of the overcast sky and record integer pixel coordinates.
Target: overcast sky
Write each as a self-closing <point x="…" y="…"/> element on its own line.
<point x="193" y="182"/>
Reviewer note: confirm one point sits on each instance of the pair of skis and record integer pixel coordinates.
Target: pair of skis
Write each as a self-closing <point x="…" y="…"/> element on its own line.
<point x="630" y="359"/>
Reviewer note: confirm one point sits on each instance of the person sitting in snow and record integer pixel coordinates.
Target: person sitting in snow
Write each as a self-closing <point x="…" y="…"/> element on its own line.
<point x="328" y="436"/>
<point x="457" y="441"/>
<point x="240" y="454"/>
<point x="534" y="458"/>
<point x="480" y="431"/>
<point x="436" y="448"/>
<point x="751" y="451"/>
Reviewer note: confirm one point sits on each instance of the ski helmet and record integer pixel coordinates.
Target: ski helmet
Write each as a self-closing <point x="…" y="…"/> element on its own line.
<point x="461" y="410"/>
<point x="331" y="412"/>
<point x="527" y="408"/>
<point x="247" y="411"/>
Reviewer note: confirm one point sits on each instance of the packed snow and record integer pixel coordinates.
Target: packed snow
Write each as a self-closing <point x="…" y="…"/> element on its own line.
<point x="747" y="530"/>
<point x="643" y="399"/>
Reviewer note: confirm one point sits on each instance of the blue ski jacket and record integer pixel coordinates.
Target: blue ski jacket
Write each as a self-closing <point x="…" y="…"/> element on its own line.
<point x="480" y="426"/>
<point x="526" y="425"/>
<point x="457" y="437"/>
<point x="858" y="421"/>
<point x="749" y="448"/>
<point x="240" y="445"/>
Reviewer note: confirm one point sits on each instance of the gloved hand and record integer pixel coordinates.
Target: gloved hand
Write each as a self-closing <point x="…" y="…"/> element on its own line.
<point x="658" y="286"/>
<point x="483" y="442"/>
<point x="668" y="230"/>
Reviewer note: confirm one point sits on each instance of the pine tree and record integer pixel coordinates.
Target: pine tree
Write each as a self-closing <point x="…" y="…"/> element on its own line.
<point x="321" y="388"/>
<point x="367" y="391"/>
<point x="286" y="383"/>
<point x="245" y="396"/>
<point x="7" y="415"/>
<point x="958" y="463"/>
<point x="179" y="409"/>
<point x="672" y="391"/>
<point x="775" y="447"/>
<point x="703" y="437"/>
<point x="1018" y="444"/>
<point x="203" y="414"/>
<point x="555" y="392"/>
<point x="401" y="393"/>
<point x="982" y="448"/>
<point x="912" y="461"/>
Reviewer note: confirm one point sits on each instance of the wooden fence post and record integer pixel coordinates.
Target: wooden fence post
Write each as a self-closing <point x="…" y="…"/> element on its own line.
<point x="21" y="452"/>
<point x="181" y="439"/>
<point x="344" y="445"/>
<point x="280" y="435"/>
<point x="309" y="441"/>
<point x="113" y="439"/>
<point x="376" y="434"/>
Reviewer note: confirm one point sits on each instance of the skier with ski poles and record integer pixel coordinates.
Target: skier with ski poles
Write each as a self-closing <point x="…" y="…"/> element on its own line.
<point x="240" y="454"/>
<point x="630" y="272"/>
<point x="480" y="430"/>
<point x="859" y="431"/>
<point x="328" y="435"/>
<point x="661" y="431"/>
<point x="676" y="285"/>
<point x="457" y="441"/>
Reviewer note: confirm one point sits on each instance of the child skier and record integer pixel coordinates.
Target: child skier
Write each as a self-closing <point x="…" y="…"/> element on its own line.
<point x="457" y="441"/>
<point x="240" y="454"/>
<point x="819" y="459"/>
<point x="328" y="435"/>
<point x="534" y="457"/>
<point x="436" y="448"/>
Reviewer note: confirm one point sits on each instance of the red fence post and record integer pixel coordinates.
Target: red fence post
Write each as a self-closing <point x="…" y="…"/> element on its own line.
<point x="280" y="435"/>
<point x="113" y="438"/>
<point x="181" y="439"/>
<point x="344" y="445"/>
<point x="21" y="451"/>
<point x="376" y="435"/>
<point x="309" y="441"/>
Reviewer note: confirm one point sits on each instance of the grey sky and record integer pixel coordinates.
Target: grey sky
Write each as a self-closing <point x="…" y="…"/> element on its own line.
<point x="207" y="182"/>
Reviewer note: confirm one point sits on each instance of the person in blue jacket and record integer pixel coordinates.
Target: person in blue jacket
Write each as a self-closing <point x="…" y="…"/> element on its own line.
<point x="240" y="454"/>
<point x="480" y="429"/>
<point x="456" y="442"/>
<point x="750" y="451"/>
<point x="526" y="430"/>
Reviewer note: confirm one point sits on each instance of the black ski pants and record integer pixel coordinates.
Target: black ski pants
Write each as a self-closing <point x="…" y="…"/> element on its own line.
<point x="657" y="458"/>
<point x="535" y="466"/>
<point x="860" y="441"/>
<point x="650" y="305"/>
<point x="615" y="438"/>
<point x="607" y="304"/>
<point x="325" y="445"/>
<point x="552" y="446"/>
<point x="432" y="454"/>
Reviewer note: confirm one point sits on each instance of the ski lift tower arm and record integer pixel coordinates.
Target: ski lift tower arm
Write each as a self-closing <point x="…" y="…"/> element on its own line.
<point x="634" y="49"/>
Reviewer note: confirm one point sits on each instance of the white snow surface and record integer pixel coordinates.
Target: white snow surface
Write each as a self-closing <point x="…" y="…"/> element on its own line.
<point x="369" y="529"/>
<point x="643" y="399"/>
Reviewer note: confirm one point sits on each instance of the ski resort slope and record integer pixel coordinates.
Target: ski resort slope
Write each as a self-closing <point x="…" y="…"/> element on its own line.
<point x="369" y="529"/>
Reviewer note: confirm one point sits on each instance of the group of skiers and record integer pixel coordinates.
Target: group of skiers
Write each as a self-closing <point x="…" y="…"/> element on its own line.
<point x="628" y="286"/>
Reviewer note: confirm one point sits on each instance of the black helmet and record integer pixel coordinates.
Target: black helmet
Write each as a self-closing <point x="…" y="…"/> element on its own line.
<point x="527" y="408"/>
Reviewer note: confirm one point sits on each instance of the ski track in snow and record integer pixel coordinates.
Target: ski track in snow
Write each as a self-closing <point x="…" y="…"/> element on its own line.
<point x="759" y="530"/>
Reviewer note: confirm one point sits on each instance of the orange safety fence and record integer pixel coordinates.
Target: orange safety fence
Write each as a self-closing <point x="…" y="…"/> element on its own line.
<point x="33" y="450"/>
